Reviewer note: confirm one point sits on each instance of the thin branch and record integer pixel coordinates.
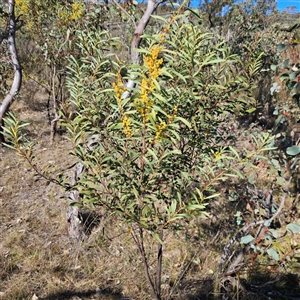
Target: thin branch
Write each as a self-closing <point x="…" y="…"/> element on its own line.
<point x="140" y="245"/>
<point x="125" y="12"/>
<point x="136" y="41"/>
<point x="159" y="264"/>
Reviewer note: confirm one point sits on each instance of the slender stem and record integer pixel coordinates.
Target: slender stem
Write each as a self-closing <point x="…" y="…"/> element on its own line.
<point x="55" y="107"/>
<point x="159" y="264"/>
<point x="139" y="241"/>
<point x="125" y="12"/>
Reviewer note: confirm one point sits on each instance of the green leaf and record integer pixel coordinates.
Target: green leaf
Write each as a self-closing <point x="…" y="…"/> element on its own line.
<point x="237" y="173"/>
<point x="172" y="152"/>
<point x="294" y="228"/>
<point x="173" y="206"/>
<point x="214" y="61"/>
<point x="274" y="233"/>
<point x="157" y="238"/>
<point x="234" y="152"/>
<point x="185" y="175"/>
<point x="212" y="196"/>
<point x="9" y="146"/>
<point x="196" y="207"/>
<point x="251" y="110"/>
<point x="284" y="77"/>
<point x="286" y="63"/>
<point x="179" y="75"/>
<point x="159" y="18"/>
<point x="273" y="67"/>
<point x="247" y="239"/>
<point x="278" y="246"/>
<point x="273" y="254"/>
<point x="275" y="112"/>
<point x="184" y="121"/>
<point x="165" y="72"/>
<point x="251" y="178"/>
<point x="141" y="50"/>
<point x="160" y="97"/>
<point x="275" y="163"/>
<point x="153" y="154"/>
<point x="293" y="75"/>
<point x="293" y="150"/>
<point x="280" y="47"/>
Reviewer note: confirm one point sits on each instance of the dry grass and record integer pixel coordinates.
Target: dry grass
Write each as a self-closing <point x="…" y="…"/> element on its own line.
<point x="39" y="261"/>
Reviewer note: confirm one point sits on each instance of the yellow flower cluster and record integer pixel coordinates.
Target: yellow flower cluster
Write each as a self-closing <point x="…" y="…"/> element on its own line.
<point x="217" y="156"/>
<point x="22" y="5"/>
<point x="126" y="126"/>
<point x="163" y="125"/>
<point x="119" y="90"/>
<point x="77" y="10"/>
<point x="73" y="13"/>
<point x="173" y="116"/>
<point x="144" y="103"/>
<point x="159" y="130"/>
<point x="63" y="16"/>
<point x="151" y="61"/>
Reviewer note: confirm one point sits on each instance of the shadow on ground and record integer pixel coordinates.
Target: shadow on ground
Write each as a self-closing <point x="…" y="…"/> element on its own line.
<point x="275" y="286"/>
<point x="105" y="294"/>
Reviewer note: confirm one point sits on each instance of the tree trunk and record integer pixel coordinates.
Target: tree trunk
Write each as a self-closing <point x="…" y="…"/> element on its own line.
<point x="136" y="41"/>
<point x="4" y="107"/>
<point x="55" y="104"/>
<point x="76" y="226"/>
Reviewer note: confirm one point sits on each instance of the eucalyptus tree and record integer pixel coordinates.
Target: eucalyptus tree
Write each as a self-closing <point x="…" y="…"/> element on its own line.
<point x="9" y="36"/>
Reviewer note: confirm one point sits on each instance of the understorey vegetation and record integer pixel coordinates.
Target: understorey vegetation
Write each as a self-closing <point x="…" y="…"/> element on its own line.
<point x="173" y="133"/>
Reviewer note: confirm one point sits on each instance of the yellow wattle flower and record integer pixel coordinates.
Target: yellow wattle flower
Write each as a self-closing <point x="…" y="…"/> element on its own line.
<point x="126" y="126"/>
<point x="159" y="130"/>
<point x="217" y="156"/>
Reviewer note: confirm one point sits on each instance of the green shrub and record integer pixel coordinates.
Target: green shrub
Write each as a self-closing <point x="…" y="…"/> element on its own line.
<point x="156" y="157"/>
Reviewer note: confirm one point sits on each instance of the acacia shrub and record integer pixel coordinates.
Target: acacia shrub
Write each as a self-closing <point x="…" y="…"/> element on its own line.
<point x="156" y="157"/>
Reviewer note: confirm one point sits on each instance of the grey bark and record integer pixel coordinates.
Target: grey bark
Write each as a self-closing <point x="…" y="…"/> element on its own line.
<point x="136" y="41"/>
<point x="76" y="226"/>
<point x="16" y="85"/>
